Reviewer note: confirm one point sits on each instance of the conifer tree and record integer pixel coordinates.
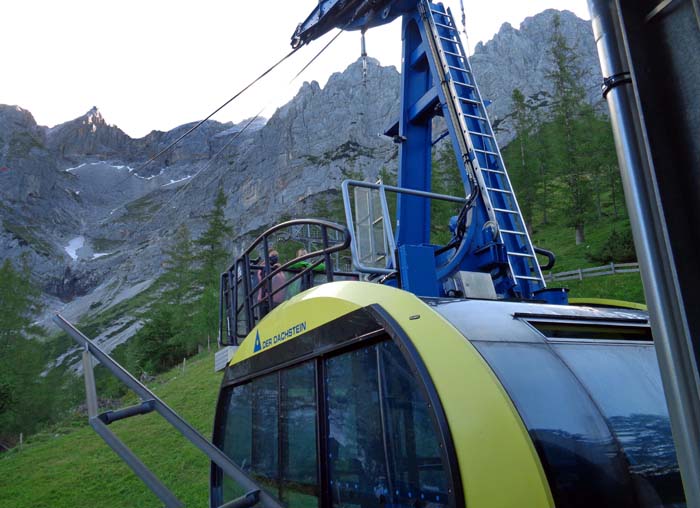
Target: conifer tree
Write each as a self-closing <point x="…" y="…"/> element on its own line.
<point x="569" y="109"/>
<point x="526" y="180"/>
<point x="24" y="400"/>
<point x="212" y="259"/>
<point x="213" y="255"/>
<point x="179" y="263"/>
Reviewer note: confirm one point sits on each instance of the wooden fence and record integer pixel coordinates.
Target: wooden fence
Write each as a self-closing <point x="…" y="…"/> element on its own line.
<point x="598" y="271"/>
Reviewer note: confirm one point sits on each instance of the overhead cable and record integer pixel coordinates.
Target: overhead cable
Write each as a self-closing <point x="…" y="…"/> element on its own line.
<point x="171" y="145"/>
<point x="237" y="134"/>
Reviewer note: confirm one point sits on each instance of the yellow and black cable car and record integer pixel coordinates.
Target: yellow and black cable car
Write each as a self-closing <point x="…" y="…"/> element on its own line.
<point x="358" y="394"/>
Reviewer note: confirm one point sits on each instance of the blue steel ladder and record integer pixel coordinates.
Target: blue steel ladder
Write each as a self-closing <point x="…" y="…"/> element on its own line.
<point x="490" y="171"/>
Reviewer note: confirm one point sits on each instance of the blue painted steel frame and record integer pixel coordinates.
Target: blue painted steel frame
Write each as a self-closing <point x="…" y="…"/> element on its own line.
<point x="483" y="248"/>
<point x="422" y="98"/>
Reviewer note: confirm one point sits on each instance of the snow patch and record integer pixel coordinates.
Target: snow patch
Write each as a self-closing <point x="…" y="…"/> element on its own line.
<point x="149" y="177"/>
<point x="74" y="246"/>
<point x="177" y="181"/>
<point x="76" y="167"/>
<point x="100" y="254"/>
<point x="104" y="165"/>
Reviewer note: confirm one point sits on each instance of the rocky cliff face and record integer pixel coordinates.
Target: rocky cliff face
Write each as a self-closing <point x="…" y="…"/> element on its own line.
<point x="78" y="201"/>
<point x="520" y="59"/>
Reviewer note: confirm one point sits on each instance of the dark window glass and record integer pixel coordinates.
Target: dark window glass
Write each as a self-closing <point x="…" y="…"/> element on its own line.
<point x="264" y="442"/>
<point x="581" y="458"/>
<point x="237" y="435"/>
<point x="417" y="473"/>
<point x="383" y="448"/>
<point x="271" y="434"/>
<point x="358" y="473"/>
<point x="591" y="331"/>
<point x="625" y="382"/>
<point x="299" y="485"/>
<point x="250" y="433"/>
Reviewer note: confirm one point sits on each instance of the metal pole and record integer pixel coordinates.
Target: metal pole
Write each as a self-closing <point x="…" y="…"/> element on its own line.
<point x="90" y="389"/>
<point x="189" y="432"/>
<point x="668" y="318"/>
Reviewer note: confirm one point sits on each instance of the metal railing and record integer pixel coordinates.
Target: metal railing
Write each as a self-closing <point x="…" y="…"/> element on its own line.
<point x="598" y="271"/>
<point x="383" y="214"/>
<point x="149" y="403"/>
<point x="250" y="288"/>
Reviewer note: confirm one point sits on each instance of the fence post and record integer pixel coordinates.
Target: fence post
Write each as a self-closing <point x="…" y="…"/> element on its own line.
<point x="612" y="267"/>
<point x="580" y="274"/>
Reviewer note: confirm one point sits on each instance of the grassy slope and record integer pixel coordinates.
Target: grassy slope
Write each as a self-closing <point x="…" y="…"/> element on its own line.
<point x="571" y="256"/>
<point x="72" y="467"/>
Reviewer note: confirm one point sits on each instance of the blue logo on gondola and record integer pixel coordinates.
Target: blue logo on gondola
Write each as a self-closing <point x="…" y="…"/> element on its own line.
<point x="257" y="347"/>
<point x="280" y="336"/>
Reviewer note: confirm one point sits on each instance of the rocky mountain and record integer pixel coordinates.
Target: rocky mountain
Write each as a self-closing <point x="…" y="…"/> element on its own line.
<point x="518" y="58"/>
<point x="80" y="204"/>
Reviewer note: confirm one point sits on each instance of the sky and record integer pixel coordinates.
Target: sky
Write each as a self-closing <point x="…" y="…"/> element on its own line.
<point x="156" y="64"/>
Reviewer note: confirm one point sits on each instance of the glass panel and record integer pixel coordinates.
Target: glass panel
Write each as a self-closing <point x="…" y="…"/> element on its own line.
<point x="298" y="438"/>
<point x="581" y="458"/>
<point x="625" y="382"/>
<point x="265" y="414"/>
<point x="563" y="330"/>
<point x="417" y="472"/>
<point x="383" y="447"/>
<point x="357" y="467"/>
<point x="237" y="435"/>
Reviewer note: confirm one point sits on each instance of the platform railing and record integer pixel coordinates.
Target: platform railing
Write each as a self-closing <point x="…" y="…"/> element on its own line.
<point x="250" y="287"/>
<point x="149" y="403"/>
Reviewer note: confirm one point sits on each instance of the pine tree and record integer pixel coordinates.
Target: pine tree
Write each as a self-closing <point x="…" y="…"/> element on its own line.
<point x="24" y="396"/>
<point x="212" y="255"/>
<point x="179" y="262"/>
<point x="570" y="112"/>
<point x="212" y="259"/>
<point x="526" y="177"/>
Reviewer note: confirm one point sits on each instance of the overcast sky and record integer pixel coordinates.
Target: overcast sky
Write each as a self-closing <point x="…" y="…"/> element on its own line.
<point x="156" y="64"/>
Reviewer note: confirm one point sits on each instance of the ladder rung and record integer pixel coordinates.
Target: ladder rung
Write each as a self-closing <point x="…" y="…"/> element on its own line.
<point x="503" y="191"/>
<point x="511" y="232"/>
<point x="481" y="134"/>
<point x="459" y="83"/>
<point x="519" y="254"/>
<point x="449" y="39"/>
<point x="528" y="277"/>
<point x="481" y="118"/>
<point x="442" y="25"/>
<point x="468" y="101"/>
<point x="494" y="171"/>
<point x="503" y="210"/>
<point x="458" y="55"/>
<point x="525" y="277"/>
<point x="438" y="12"/>
<point x="455" y="68"/>
<point x="486" y="152"/>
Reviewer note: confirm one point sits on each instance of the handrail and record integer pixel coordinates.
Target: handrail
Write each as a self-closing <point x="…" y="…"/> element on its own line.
<point x="258" y="296"/>
<point x="176" y="421"/>
<point x="357" y="262"/>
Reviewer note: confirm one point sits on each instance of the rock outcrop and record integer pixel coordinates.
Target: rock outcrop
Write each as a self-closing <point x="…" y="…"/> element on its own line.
<point x="79" y="202"/>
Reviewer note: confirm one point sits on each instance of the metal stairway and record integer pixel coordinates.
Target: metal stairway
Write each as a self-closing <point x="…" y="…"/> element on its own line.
<point x="485" y="156"/>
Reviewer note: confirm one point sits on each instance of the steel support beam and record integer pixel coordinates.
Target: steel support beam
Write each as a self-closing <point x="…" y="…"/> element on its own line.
<point x="650" y="60"/>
